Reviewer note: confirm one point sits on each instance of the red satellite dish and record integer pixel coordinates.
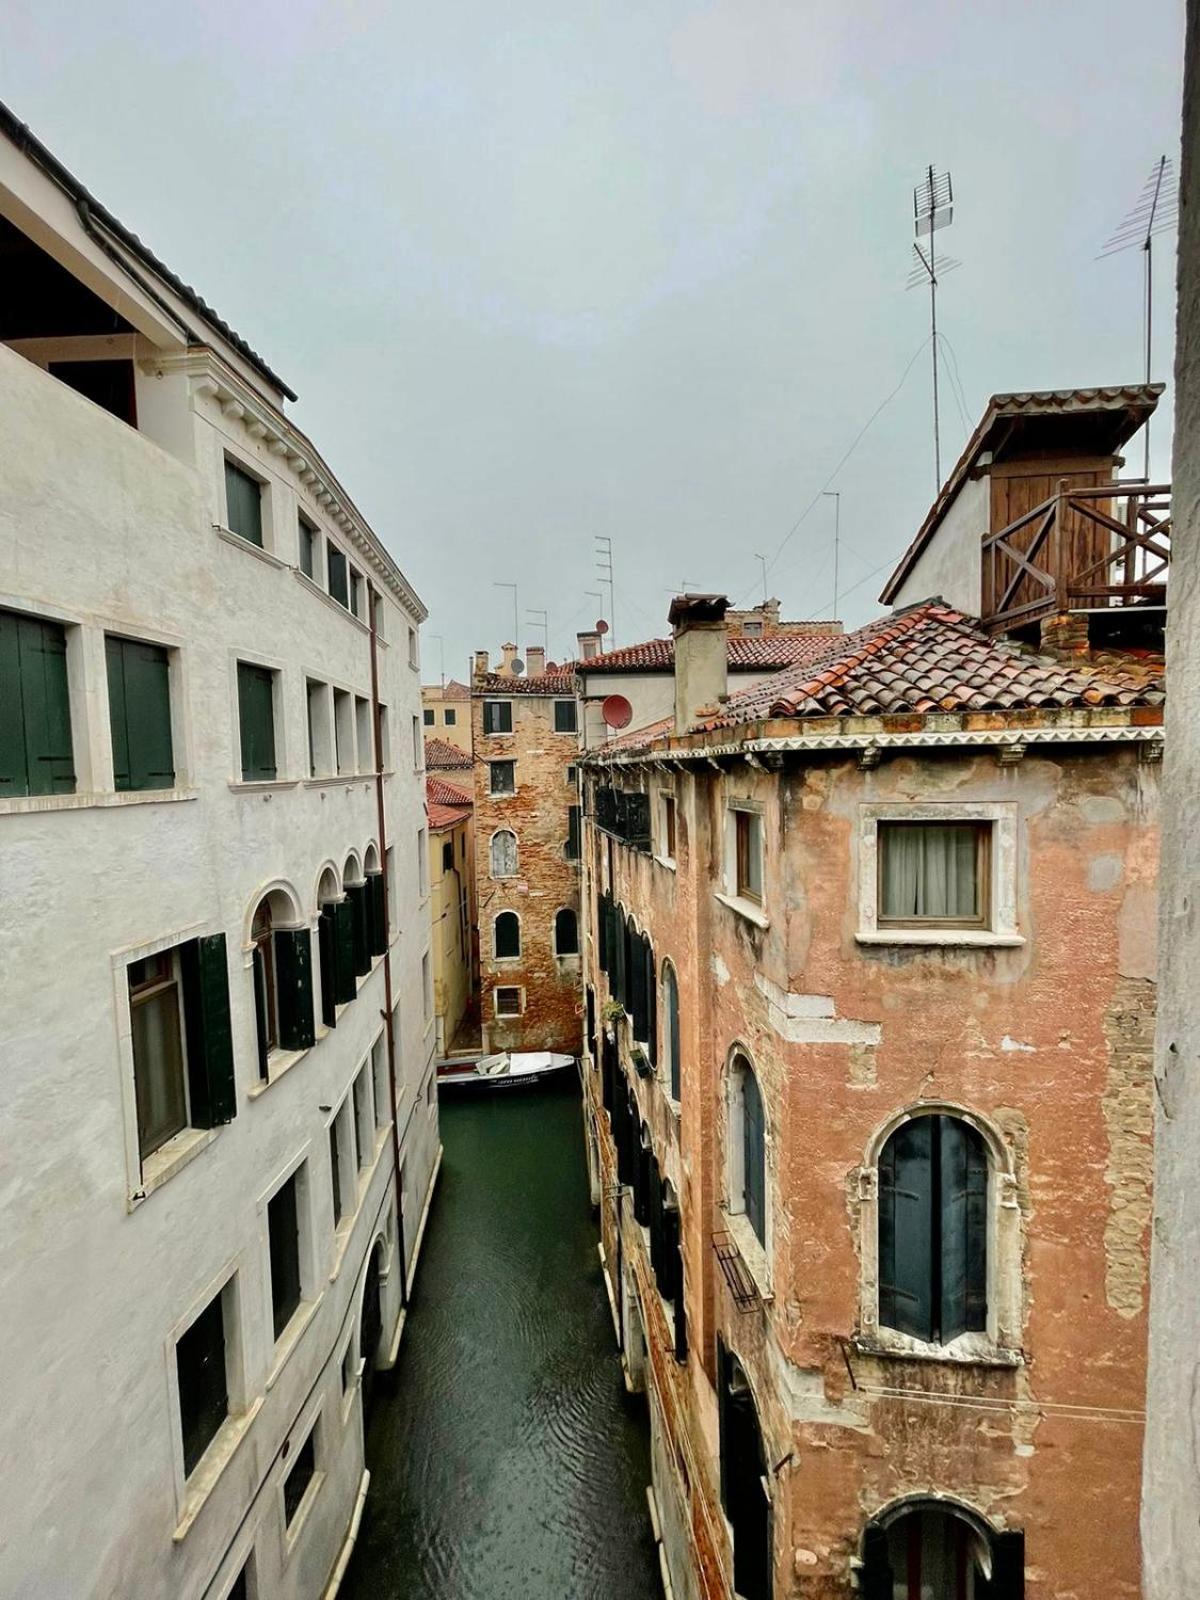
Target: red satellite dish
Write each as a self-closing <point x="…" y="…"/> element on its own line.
<point x="602" y="626"/>
<point x="616" y="711"/>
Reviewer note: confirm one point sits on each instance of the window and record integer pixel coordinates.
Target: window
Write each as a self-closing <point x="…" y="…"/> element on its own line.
<point x="506" y="941"/>
<point x="447" y="855"/>
<point x="283" y="1234"/>
<point x="320" y="741"/>
<point x="752" y="629"/>
<point x="35" y="714"/>
<point x="413" y="658"/>
<point x="671" y="1030"/>
<point x="428" y="716"/>
<point x="502" y="777"/>
<point x="243" y="503"/>
<point x="339" y="575"/>
<point x="933" y="872"/>
<point x="668" y="826"/>
<point x="356" y="592"/>
<point x="418" y="740"/>
<point x="256" y="719"/>
<point x="139" y="705"/>
<point x="384" y="747"/>
<point x="362" y="733"/>
<point x="349" y="1367"/>
<point x="382" y="1077"/>
<point x="182" y="1040"/>
<point x="343" y="730"/>
<point x="572" y="845"/>
<point x="364" y="1116"/>
<point x="422" y="862"/>
<point x="747" y="1148"/>
<point x="748" y="846"/>
<point x="341" y="1160"/>
<point x="573" y="776"/>
<point x="265" y="1003"/>
<point x="450" y="717"/>
<point x="283" y="993"/>
<point x="508" y="1002"/>
<point x="300" y="1475"/>
<point x="497" y="716"/>
<point x="309" y="547"/>
<point x="504" y="854"/>
<point x="427" y="984"/>
<point x="933" y="1218"/>
<point x="203" y="1381"/>
<point x="564" y="716"/>
<point x="566" y="932"/>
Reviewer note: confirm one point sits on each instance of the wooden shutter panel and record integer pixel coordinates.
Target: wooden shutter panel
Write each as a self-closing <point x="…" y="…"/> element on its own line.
<point x="905" y="1229"/>
<point x="14" y="770"/>
<point x="294" y="988"/>
<point x="641" y="1185"/>
<point x="378" y="920"/>
<point x="357" y="894"/>
<point x="637" y="985"/>
<point x="964" y="1175"/>
<point x="651" y="1005"/>
<point x="754" y="1156"/>
<point x="875" y="1577"/>
<point x="1008" y="1568"/>
<point x="620" y="987"/>
<point x="345" y="986"/>
<point x="140" y="707"/>
<point x="326" y="951"/>
<point x="256" y="718"/>
<point x="243" y="503"/>
<point x="723" y="1430"/>
<point x="45" y="707"/>
<point x="114" y="660"/>
<point x="681" y="1333"/>
<point x="259" y="975"/>
<point x="673" y="1025"/>
<point x="654" y="1209"/>
<point x="208" y="1030"/>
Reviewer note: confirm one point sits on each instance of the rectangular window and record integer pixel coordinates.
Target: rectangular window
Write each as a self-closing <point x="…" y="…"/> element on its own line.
<point x="508" y="1002"/>
<point x="418" y="739"/>
<point x="339" y="575"/>
<point x="348" y="1367"/>
<point x="748" y="841"/>
<point x="362" y="733"/>
<point x="320" y="743"/>
<point x="934" y="873"/>
<point x="428" y="716"/>
<point x="283" y="1232"/>
<point x="256" y="717"/>
<point x="448" y="855"/>
<point x="413" y="659"/>
<point x="423" y="861"/>
<point x="364" y="1116"/>
<point x="573" y="776"/>
<point x="572" y="851"/>
<point x="379" y="1071"/>
<point x="502" y="777"/>
<point x="243" y="503"/>
<point x="427" y="984"/>
<point x="384" y="746"/>
<point x="356" y="592"/>
<point x="497" y="716"/>
<point x="139" y="705"/>
<point x="668" y="815"/>
<point x="35" y="715"/>
<point x="450" y="717"/>
<point x="309" y="547"/>
<point x="203" y="1383"/>
<point x="335" y="1169"/>
<point x="564" y="716"/>
<point x="343" y="730"/>
<point x="300" y="1475"/>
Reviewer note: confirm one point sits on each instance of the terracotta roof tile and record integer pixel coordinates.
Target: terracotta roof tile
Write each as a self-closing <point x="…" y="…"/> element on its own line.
<point x="445" y="793"/>
<point x="746" y="653"/>
<point x="442" y="756"/>
<point x="559" y="682"/>
<point x="453" y="690"/>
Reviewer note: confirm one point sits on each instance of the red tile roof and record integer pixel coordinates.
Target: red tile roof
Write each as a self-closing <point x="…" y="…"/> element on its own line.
<point x="746" y="653"/>
<point x="446" y="804"/>
<point x="931" y="658"/>
<point x="452" y="690"/>
<point x="559" y="682"/>
<point x="442" y="756"/>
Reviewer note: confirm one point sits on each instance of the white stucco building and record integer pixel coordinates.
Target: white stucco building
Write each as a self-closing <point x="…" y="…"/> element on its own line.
<point x="217" y="1114"/>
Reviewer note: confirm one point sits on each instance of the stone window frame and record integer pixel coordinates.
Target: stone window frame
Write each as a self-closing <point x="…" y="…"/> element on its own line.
<point x="756" y="1253"/>
<point x="311" y="1288"/>
<point x="754" y="911"/>
<point x="515" y="960"/>
<point x="1000" y="815"/>
<point x="503" y="877"/>
<point x="1000" y="1344"/>
<point x="573" y="956"/>
<point x="508" y="1016"/>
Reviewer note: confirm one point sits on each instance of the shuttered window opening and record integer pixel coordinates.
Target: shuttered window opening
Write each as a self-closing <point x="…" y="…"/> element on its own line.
<point x="754" y="1159"/>
<point x="566" y="933"/>
<point x="308" y="548"/>
<point x="378" y="914"/>
<point x="933" y="1195"/>
<point x="360" y="926"/>
<point x="933" y="1549"/>
<point x="502" y="777"/>
<point x="203" y="1384"/>
<point x="256" y="719"/>
<point x="182" y="1041"/>
<point x="243" y="503"/>
<point x="671" y="996"/>
<point x="508" y="1002"/>
<point x="564" y="717"/>
<point x="507" y="936"/>
<point x="345" y="980"/>
<point x="327" y="955"/>
<point x="497" y="716"/>
<point x="266" y="1010"/>
<point x="572" y="848"/>
<point x="335" y="1169"/>
<point x="339" y="575"/>
<point x="35" y="716"/>
<point x="283" y="1233"/>
<point x="300" y="1475"/>
<point x="139" y="704"/>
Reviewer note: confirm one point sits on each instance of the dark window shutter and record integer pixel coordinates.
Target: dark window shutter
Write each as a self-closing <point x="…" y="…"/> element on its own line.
<point x="572" y="833"/>
<point x="243" y="503"/>
<point x="875" y="1577"/>
<point x="754" y="1156"/>
<point x="636" y="970"/>
<point x="607" y="1076"/>
<point x="681" y="1334"/>
<point x="260" y="1021"/>
<point x="601" y="931"/>
<point x="905" y="1229"/>
<point x="339" y="577"/>
<point x="641" y="1185"/>
<point x="294" y="988"/>
<point x="378" y="918"/>
<point x="673" y="1026"/>
<point x="345" y="986"/>
<point x="14" y="768"/>
<point x="358" y="894"/>
<point x="651" y="1005"/>
<point x="139" y="693"/>
<point x="723" y="1430"/>
<point x="327" y="953"/>
<point x="591" y="1022"/>
<point x="620" y="987"/>
<point x="35" y="716"/>
<point x="256" y="717"/>
<point x="1008" y="1568"/>
<point x="655" y="1208"/>
<point x="964" y="1176"/>
<point x="208" y="1030"/>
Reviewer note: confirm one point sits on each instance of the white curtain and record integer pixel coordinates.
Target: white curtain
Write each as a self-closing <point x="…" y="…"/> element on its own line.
<point x="929" y="869"/>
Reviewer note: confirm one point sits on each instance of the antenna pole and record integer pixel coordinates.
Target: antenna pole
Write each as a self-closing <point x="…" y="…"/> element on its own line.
<point x="1148" y="247"/>
<point x="604" y="566"/>
<point x="836" y="496"/>
<point x="762" y="560"/>
<point x="937" y="436"/>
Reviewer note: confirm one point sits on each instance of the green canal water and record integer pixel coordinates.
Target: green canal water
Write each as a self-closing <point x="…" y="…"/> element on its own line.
<point x="507" y="1461"/>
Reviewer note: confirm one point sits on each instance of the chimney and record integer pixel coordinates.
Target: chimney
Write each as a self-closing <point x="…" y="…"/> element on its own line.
<point x="701" y="663"/>
<point x="535" y="660"/>
<point x="589" y="645"/>
<point x="508" y="653"/>
<point x="481" y="663"/>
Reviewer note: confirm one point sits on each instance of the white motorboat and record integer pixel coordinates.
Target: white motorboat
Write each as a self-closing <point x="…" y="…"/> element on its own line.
<point x="508" y="1069"/>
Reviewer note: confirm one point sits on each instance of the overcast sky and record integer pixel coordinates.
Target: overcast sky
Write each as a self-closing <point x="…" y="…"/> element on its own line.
<point x="544" y="270"/>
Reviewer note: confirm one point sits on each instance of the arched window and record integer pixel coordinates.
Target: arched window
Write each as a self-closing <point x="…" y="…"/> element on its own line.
<point x="507" y="935"/>
<point x="933" y="1221"/>
<point x="566" y="933"/>
<point x="671" y="1028"/>
<point x="281" y="962"/>
<point x="747" y="1148"/>
<point x="936" y="1547"/>
<point x="504" y="854"/>
<point x="266" y="1005"/>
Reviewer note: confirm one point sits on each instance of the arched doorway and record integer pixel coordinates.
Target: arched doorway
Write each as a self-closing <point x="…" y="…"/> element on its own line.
<point x="937" y="1550"/>
<point x="744" y="1472"/>
<point x="371" y="1326"/>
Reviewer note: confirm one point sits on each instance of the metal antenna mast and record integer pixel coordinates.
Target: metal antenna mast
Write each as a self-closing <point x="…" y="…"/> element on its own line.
<point x="604" y="566"/>
<point x="933" y="208"/>
<point x="1155" y="211"/>
<point x="762" y="560"/>
<point x="539" y="619"/>
<point x="836" y="496"/>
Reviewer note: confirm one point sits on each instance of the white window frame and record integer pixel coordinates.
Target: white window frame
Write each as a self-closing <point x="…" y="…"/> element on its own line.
<point x="501" y="794"/>
<point x="504" y="877"/>
<point x="1001" y="815"/>
<point x="752" y="910"/>
<point x="499" y="700"/>
<point x="508" y="1016"/>
<point x="314" y="1425"/>
<point x="756" y="1253"/>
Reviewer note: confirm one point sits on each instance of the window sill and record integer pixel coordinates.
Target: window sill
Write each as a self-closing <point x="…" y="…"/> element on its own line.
<point x="506" y="794"/>
<point x="169" y="1159"/>
<point x="290" y="1339"/>
<point x="28" y="803"/>
<point x="253" y="785"/>
<point x="748" y="909"/>
<point x="279" y="1062"/>
<point x="210" y="1467"/>
<point x="327" y="780"/>
<point x="240" y="543"/>
<point x="971" y="1350"/>
<point x="976" y="938"/>
<point x="752" y="1253"/>
<point x="666" y="861"/>
<point x="323" y="594"/>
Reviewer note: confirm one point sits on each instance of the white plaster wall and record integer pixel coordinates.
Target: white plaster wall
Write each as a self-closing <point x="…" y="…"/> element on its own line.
<point x="1171" y="1489"/>
<point x="951" y="565"/>
<point x="104" y="530"/>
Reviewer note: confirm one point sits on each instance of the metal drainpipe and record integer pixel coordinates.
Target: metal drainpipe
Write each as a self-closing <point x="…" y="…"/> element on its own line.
<point x="388" y="1023"/>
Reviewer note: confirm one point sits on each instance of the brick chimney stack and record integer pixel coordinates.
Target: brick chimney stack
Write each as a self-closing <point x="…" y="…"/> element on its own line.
<point x="508" y="654"/>
<point x="589" y="645"/>
<point x="481" y="663"/>
<point x="535" y="660"/>
<point x="701" y="661"/>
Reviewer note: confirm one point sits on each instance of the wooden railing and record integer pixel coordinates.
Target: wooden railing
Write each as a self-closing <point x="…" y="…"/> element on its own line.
<point x="1084" y="548"/>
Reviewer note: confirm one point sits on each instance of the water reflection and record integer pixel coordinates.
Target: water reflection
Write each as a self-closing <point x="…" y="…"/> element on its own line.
<point x="506" y="1458"/>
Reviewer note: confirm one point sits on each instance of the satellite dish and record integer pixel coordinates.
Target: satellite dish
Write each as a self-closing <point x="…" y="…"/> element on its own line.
<point x="552" y="666"/>
<point x="616" y="711"/>
<point x="516" y="666"/>
<point x="602" y="626"/>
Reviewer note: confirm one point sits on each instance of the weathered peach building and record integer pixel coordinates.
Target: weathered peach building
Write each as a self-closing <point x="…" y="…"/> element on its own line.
<point x="870" y="999"/>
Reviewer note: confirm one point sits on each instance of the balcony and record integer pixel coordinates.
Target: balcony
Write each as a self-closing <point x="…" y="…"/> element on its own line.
<point x="1104" y="548"/>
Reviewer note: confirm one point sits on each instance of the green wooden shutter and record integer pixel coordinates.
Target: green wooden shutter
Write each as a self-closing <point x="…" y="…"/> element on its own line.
<point x="963" y="1217"/>
<point x="655" y="1208"/>
<point x="651" y="1004"/>
<point x="14" y="768"/>
<point x="378" y="940"/>
<point x="875" y="1576"/>
<point x="754" y="1175"/>
<point x="294" y="988"/>
<point x="35" y="718"/>
<point x="262" y="1040"/>
<point x="357" y="894"/>
<point x="139" y="694"/>
<point x="673" y="1031"/>
<point x="243" y="504"/>
<point x="327" y="952"/>
<point x="905" y="1229"/>
<point x="1008" y="1568"/>
<point x="345" y="983"/>
<point x="256" y="718"/>
<point x="208" y="1030"/>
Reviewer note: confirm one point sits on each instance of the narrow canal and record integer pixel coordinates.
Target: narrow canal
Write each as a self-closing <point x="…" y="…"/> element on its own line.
<point x="507" y="1461"/>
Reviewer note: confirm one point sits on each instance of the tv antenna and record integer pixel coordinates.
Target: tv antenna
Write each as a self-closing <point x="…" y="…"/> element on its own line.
<point x="836" y="496"/>
<point x="1155" y="211"/>
<point x="604" y="570"/>
<point x="933" y="209"/>
<point x="536" y="618"/>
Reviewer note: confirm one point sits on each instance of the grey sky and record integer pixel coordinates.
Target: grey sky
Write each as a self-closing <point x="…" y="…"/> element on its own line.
<point x="543" y="271"/>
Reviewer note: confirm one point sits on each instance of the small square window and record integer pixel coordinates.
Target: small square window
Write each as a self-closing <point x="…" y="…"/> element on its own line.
<point x="573" y="776"/>
<point x="448" y="855"/>
<point x="508" y="1002"/>
<point x="564" y="716"/>
<point x="749" y="863"/>
<point x="428" y="716"/>
<point x="450" y="716"/>
<point x="300" y="1475"/>
<point x="934" y="874"/>
<point x="309" y="547"/>
<point x="752" y="629"/>
<point x="497" y="716"/>
<point x="502" y="777"/>
<point x="243" y="503"/>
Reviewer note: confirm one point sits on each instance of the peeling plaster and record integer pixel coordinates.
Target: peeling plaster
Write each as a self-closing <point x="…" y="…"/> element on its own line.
<point x="1128" y="1109"/>
<point x="810" y="1018"/>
